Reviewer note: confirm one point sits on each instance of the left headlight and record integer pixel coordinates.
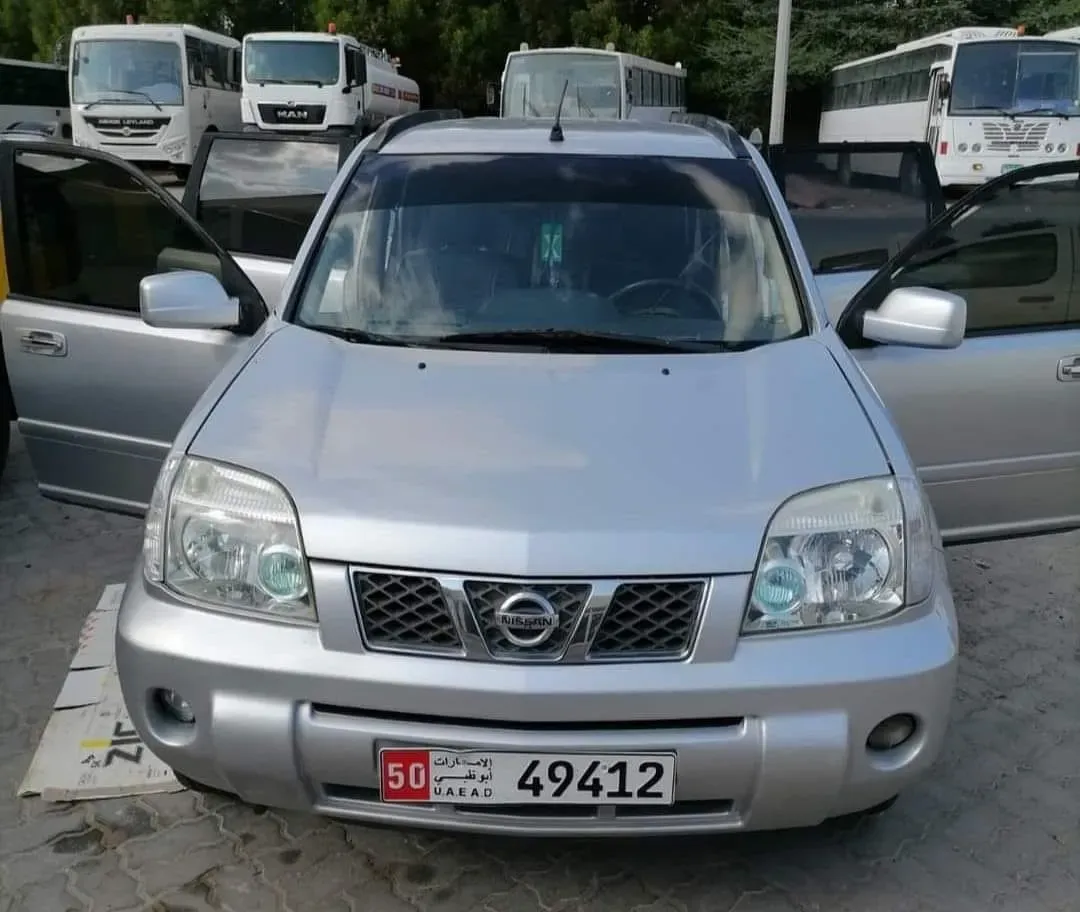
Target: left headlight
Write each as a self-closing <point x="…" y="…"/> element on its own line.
<point x="845" y="554"/>
<point x="227" y="538"/>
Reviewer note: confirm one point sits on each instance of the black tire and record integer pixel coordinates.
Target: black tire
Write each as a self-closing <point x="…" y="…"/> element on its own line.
<point x="192" y="786"/>
<point x="910" y="179"/>
<point x="5" y="418"/>
<point x="843" y="169"/>
<point x="5" y="433"/>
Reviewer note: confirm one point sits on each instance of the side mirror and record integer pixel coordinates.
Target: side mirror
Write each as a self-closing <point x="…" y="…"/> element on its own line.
<point x="917" y="317"/>
<point x="755" y="138"/>
<point x="346" y="90"/>
<point x="492" y="92"/>
<point x="944" y="87"/>
<point x="186" y="300"/>
<point x="361" y="70"/>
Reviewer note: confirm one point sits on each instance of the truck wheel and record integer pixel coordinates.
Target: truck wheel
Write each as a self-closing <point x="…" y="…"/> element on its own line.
<point x="5" y="433"/>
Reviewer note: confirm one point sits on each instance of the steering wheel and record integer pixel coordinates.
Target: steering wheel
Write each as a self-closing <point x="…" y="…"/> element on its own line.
<point x="705" y="306"/>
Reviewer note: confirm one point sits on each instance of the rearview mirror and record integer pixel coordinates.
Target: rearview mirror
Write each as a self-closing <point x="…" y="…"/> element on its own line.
<point x="186" y="299"/>
<point x="943" y="87"/>
<point x="918" y="317"/>
<point x="492" y="92"/>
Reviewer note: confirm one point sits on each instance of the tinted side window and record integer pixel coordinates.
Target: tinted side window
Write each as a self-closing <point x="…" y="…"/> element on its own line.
<point x="259" y="196"/>
<point x="1010" y="257"/>
<point x="856" y="209"/>
<point x="88" y="234"/>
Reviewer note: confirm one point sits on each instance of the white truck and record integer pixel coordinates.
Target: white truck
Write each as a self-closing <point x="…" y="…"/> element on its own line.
<point x="299" y="82"/>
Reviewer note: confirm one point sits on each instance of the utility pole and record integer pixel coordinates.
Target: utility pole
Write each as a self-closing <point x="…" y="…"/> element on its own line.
<point x="780" y="69"/>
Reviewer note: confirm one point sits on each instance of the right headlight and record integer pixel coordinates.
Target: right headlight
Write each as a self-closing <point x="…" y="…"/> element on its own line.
<point x="844" y="554"/>
<point x="227" y="538"/>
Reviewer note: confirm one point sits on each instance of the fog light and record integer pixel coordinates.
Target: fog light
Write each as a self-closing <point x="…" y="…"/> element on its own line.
<point x="891" y="733"/>
<point x="176" y="706"/>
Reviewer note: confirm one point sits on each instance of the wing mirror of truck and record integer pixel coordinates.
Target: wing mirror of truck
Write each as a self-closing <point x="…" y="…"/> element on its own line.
<point x="944" y="87"/>
<point x="916" y="317"/>
<point x="492" y="96"/>
<point x="187" y="299"/>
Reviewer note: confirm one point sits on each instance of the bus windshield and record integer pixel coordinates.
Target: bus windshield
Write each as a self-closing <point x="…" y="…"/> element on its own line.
<point x="534" y="83"/>
<point x="1016" y="77"/>
<point x="127" y="71"/>
<point x="292" y="62"/>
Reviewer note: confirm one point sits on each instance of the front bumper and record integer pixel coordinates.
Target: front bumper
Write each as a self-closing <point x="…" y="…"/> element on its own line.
<point x="770" y="734"/>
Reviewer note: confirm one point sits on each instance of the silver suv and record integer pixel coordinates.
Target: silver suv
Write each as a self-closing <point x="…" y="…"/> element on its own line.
<point x="547" y="500"/>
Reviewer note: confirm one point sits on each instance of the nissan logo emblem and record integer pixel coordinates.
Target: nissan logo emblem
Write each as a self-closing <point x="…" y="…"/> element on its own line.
<point x="527" y="619"/>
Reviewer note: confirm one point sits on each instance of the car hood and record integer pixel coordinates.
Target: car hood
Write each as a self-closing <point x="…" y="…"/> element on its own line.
<point x="533" y="464"/>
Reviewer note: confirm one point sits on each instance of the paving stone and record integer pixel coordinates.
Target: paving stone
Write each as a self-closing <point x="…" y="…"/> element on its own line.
<point x="996" y="826"/>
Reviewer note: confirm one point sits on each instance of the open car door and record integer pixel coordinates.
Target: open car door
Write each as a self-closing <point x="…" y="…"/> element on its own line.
<point x="99" y="394"/>
<point x="994" y="425"/>
<point x="856" y="205"/>
<point x="257" y="193"/>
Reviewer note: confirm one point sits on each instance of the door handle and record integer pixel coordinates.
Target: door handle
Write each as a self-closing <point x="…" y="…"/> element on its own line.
<point x="42" y="342"/>
<point x="1069" y="368"/>
<point x="1037" y="299"/>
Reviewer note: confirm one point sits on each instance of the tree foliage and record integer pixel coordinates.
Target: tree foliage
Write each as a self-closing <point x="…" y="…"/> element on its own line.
<point x="453" y="48"/>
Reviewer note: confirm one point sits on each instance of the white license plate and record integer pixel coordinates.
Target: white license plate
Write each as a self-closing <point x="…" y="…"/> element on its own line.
<point x="1005" y="169"/>
<point x="432" y="776"/>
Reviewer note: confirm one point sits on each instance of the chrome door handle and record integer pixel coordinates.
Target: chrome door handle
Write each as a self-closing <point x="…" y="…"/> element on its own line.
<point x="1069" y="368"/>
<point x="42" y="342"/>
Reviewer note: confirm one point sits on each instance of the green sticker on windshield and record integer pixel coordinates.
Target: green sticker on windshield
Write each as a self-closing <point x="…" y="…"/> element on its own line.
<point x="551" y="243"/>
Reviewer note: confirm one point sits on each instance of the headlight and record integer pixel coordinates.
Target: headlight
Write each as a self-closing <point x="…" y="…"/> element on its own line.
<point x="843" y="555"/>
<point x="227" y="538"/>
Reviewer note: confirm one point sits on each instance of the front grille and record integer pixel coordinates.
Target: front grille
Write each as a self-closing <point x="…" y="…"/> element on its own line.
<point x="1026" y="137"/>
<point x="405" y="613"/>
<point x="485" y="597"/>
<point x="651" y="619"/>
<point x="576" y="621"/>
<point x="292" y="114"/>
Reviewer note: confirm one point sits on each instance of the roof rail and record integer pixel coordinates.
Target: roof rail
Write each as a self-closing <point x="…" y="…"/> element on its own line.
<point x="398" y="125"/>
<point x="719" y="128"/>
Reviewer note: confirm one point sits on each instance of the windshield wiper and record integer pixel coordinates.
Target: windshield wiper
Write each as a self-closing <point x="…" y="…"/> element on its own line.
<point x="1054" y="112"/>
<point x="300" y="82"/>
<point x="575" y="340"/>
<point x="362" y="337"/>
<point x="984" y="108"/>
<point x="123" y="92"/>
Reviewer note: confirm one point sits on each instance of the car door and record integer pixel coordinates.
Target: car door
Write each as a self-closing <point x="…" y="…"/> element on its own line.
<point x="855" y="205"/>
<point x="100" y="395"/>
<point x="257" y="193"/>
<point x="994" y="425"/>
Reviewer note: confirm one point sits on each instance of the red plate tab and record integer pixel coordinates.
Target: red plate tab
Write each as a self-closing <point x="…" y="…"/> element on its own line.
<point x="405" y="775"/>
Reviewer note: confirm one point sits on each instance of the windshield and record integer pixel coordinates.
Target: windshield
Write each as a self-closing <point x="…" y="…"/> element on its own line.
<point x="126" y="71"/>
<point x="663" y="249"/>
<point x="1016" y="76"/>
<point x="303" y="62"/>
<point x="534" y="83"/>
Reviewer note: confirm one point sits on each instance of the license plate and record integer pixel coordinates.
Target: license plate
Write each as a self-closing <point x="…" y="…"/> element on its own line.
<point x="1005" y="169"/>
<point x="432" y="776"/>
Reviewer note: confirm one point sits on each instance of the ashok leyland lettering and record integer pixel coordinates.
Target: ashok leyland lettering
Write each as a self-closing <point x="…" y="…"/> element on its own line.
<point x="987" y="100"/>
<point x="303" y="82"/>
<point x="147" y="93"/>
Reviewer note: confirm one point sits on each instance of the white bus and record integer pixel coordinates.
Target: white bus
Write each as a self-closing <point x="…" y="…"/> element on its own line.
<point x="147" y="93"/>
<point x="35" y="92"/>
<point x="987" y="100"/>
<point x="604" y="84"/>
<point x="318" y="81"/>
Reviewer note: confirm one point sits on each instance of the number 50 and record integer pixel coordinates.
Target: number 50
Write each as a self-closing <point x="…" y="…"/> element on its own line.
<point x="414" y="774"/>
